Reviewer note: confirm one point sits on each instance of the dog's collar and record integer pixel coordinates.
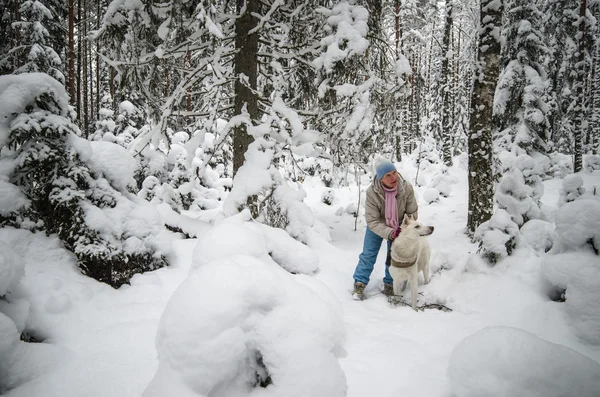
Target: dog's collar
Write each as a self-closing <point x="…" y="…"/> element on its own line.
<point x="401" y="264"/>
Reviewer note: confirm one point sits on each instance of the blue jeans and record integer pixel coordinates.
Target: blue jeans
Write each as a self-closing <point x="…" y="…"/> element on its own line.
<point x="366" y="260"/>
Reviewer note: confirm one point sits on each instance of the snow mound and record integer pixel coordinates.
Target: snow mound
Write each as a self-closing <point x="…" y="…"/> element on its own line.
<point x="11" y="269"/>
<point x="538" y="234"/>
<point x="431" y="195"/>
<point x="578" y="223"/>
<point x="242" y="236"/>
<point x="579" y="274"/>
<point x="267" y="330"/>
<point x="505" y="362"/>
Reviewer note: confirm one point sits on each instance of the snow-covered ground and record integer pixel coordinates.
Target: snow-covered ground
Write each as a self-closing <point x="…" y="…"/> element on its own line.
<point x="103" y="342"/>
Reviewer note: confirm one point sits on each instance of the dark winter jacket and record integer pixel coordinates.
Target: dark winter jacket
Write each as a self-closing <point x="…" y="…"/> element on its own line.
<point x="375" y="206"/>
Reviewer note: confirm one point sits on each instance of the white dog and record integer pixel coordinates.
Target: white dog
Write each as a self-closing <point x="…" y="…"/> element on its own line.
<point x="410" y="255"/>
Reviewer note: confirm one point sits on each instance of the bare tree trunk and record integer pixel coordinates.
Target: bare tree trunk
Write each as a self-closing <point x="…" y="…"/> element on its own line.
<point x="429" y="68"/>
<point x="16" y="39"/>
<point x="98" y="94"/>
<point x="446" y="78"/>
<point x="581" y="75"/>
<point x="79" y="58"/>
<point x="398" y="132"/>
<point x="246" y="72"/>
<point x="595" y="124"/>
<point x="480" y="174"/>
<point x="71" y="56"/>
<point x="84" y="61"/>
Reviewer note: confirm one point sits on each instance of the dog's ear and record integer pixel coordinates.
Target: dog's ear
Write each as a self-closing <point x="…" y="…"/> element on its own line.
<point x="405" y="220"/>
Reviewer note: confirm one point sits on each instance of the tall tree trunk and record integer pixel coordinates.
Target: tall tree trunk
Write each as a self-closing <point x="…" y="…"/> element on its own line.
<point x="246" y="72"/>
<point x="71" y="56"/>
<point x="429" y="61"/>
<point x="580" y="106"/>
<point x="16" y="34"/>
<point x="98" y="94"/>
<point x="446" y="84"/>
<point x="595" y="125"/>
<point x="397" y="132"/>
<point x="480" y="175"/>
<point x="79" y="58"/>
<point x="84" y="62"/>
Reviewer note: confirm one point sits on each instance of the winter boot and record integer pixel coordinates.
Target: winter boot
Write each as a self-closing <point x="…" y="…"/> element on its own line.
<point x="359" y="289"/>
<point x="388" y="289"/>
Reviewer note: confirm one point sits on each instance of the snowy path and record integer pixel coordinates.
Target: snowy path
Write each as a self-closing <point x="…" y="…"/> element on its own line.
<point x="105" y="338"/>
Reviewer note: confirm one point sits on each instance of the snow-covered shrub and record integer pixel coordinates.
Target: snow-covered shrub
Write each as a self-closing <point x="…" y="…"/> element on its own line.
<point x="591" y="163"/>
<point x="497" y="236"/>
<point x="538" y="234"/>
<point x="352" y="209"/>
<point x="275" y="334"/>
<point x="571" y="189"/>
<point x="129" y="122"/>
<point x="443" y="183"/>
<point x="534" y="169"/>
<point x="506" y="361"/>
<point x="514" y="196"/>
<point x="152" y="162"/>
<point x="75" y="192"/>
<point x="328" y="197"/>
<point x="561" y="165"/>
<point x="431" y="195"/>
<point x="578" y="225"/>
<point x="574" y="265"/>
<point x="105" y="125"/>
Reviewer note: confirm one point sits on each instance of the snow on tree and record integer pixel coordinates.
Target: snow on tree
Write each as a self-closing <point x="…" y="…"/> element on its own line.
<point x="105" y="124"/>
<point x="571" y="189"/>
<point x="77" y="190"/>
<point x="497" y="236"/>
<point x="35" y="52"/>
<point x="519" y="101"/>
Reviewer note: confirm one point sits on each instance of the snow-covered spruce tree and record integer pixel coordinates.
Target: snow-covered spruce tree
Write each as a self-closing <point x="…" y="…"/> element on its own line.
<point x="73" y="194"/>
<point x="571" y="49"/>
<point x="519" y="104"/>
<point x="34" y="52"/>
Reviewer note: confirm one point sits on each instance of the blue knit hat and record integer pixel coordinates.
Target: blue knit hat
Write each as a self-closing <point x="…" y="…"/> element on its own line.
<point x="383" y="167"/>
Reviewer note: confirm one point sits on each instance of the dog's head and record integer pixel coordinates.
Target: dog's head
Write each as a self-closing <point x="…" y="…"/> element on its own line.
<point x="413" y="228"/>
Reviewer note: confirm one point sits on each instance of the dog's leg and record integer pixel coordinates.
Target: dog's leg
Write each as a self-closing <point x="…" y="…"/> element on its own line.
<point x="414" y="288"/>
<point x="426" y="271"/>
<point x="404" y="283"/>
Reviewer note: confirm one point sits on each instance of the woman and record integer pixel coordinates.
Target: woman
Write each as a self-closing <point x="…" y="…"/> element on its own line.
<point x="388" y="198"/>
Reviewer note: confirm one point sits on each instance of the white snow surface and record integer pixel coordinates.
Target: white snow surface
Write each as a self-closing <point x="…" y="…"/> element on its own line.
<point x="507" y="361"/>
<point x="195" y="327"/>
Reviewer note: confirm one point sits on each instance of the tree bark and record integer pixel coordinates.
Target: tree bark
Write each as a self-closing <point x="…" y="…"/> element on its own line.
<point x="246" y="72"/>
<point x="447" y="88"/>
<point x="480" y="175"/>
<point x="581" y="75"/>
<point x="84" y="61"/>
<point x="71" y="62"/>
<point x="79" y="57"/>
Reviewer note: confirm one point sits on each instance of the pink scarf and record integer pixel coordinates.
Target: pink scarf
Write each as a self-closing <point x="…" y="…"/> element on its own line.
<point x="391" y="207"/>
